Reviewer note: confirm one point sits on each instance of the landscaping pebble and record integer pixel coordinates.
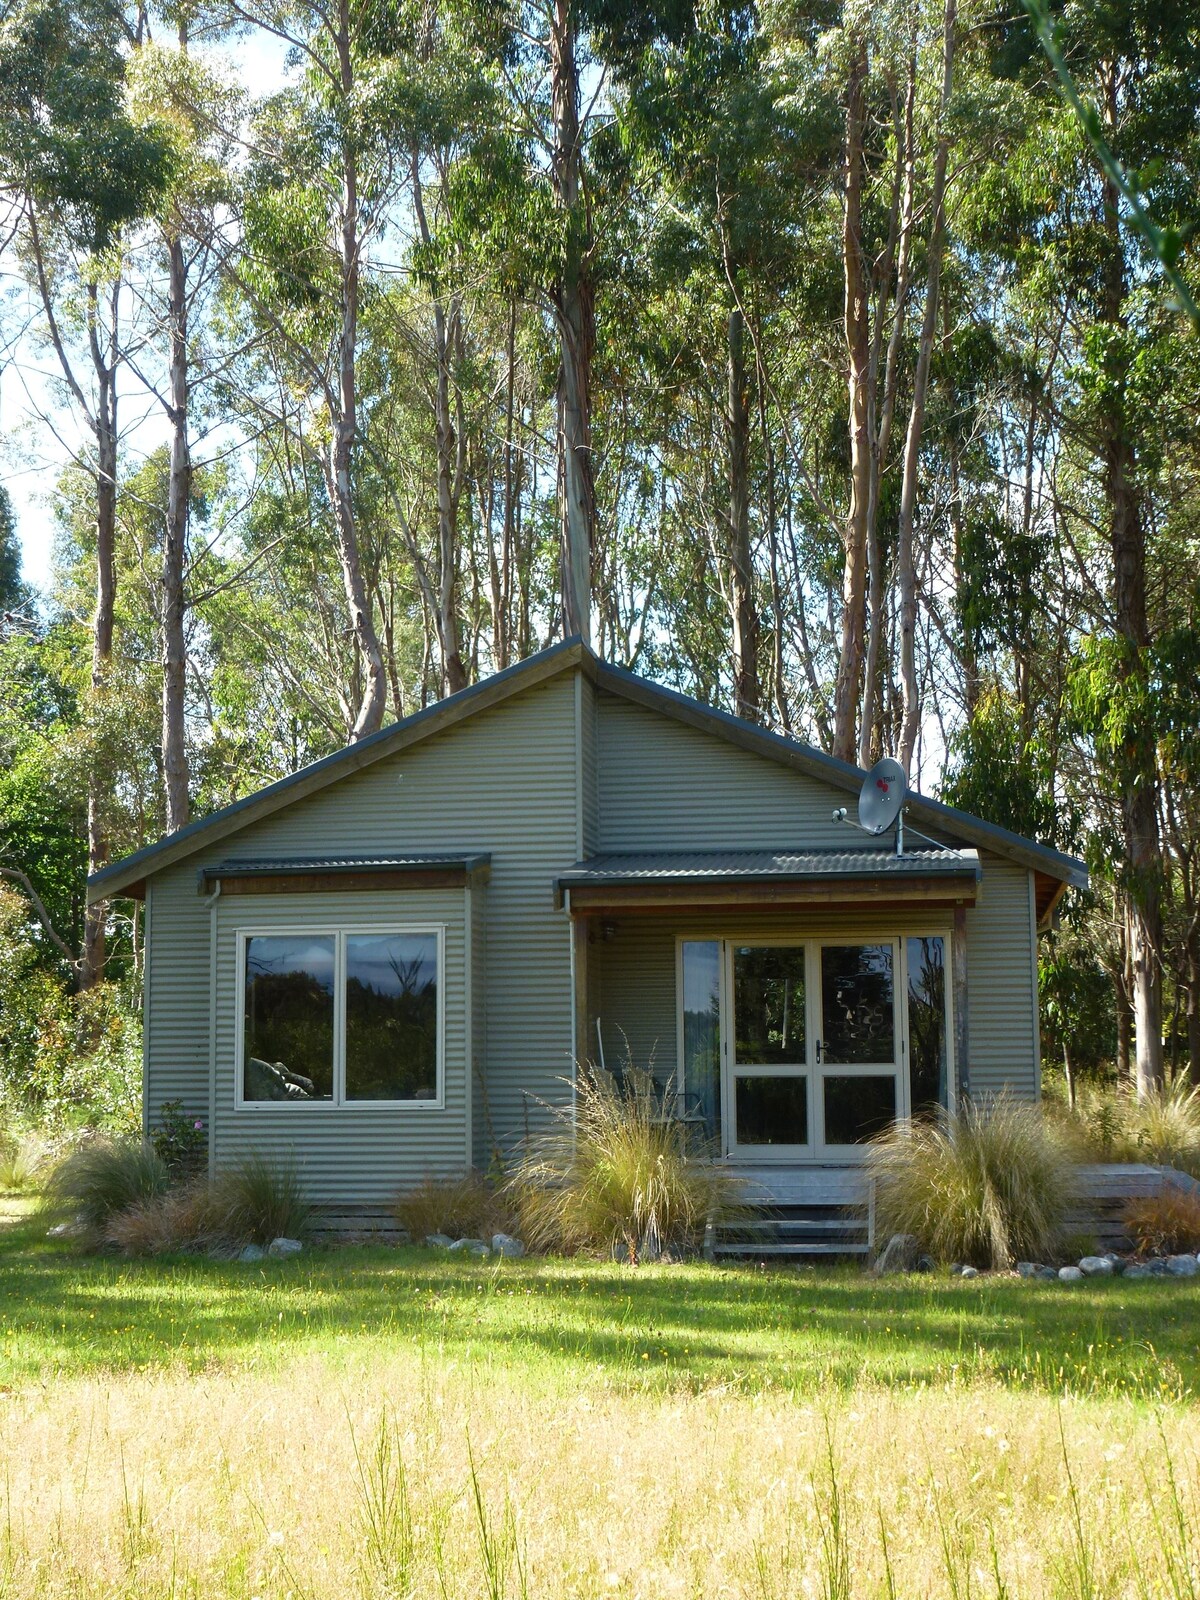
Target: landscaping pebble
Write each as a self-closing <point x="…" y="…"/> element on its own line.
<point x="899" y="1254"/>
<point x="1070" y="1275"/>
<point x="1047" y="1274"/>
<point x="969" y="1272"/>
<point x="1183" y="1266"/>
<point x="252" y="1252"/>
<point x="505" y="1245"/>
<point x="1027" y="1269"/>
<point x="1096" y="1267"/>
<point x="438" y="1241"/>
<point x="470" y="1247"/>
<point x="279" y="1248"/>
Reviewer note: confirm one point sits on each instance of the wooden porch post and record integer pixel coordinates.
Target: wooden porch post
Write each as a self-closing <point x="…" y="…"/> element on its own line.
<point x="958" y="962"/>
<point x="580" y="929"/>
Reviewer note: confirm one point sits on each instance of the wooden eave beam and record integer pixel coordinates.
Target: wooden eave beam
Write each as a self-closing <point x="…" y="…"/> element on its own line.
<point x="634" y="898"/>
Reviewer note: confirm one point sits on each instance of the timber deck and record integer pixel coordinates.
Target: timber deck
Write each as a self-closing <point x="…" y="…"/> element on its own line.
<point x="830" y="1210"/>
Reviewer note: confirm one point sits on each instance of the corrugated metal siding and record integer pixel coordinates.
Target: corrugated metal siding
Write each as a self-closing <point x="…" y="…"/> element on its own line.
<point x="589" y="787"/>
<point x="1001" y="989"/>
<point x="504" y="782"/>
<point x="666" y="786"/>
<point x="176" y="996"/>
<point x="481" y="1134"/>
<point x="377" y="1151"/>
<point x="634" y="977"/>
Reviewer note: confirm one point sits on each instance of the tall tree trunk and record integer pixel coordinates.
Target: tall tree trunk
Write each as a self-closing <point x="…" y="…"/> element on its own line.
<point x="741" y="568"/>
<point x="905" y="557"/>
<point x="858" y="346"/>
<point x="104" y="362"/>
<point x="449" y="475"/>
<point x="1139" y="771"/>
<point x="898" y="253"/>
<point x="340" y="455"/>
<point x="575" y="313"/>
<point x="173" y="642"/>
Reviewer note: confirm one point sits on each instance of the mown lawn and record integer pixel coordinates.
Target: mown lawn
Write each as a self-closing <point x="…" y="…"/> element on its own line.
<point x="388" y="1423"/>
<point x="800" y="1330"/>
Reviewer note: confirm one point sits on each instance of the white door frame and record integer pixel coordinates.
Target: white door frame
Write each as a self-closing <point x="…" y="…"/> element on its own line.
<point x="816" y="1151"/>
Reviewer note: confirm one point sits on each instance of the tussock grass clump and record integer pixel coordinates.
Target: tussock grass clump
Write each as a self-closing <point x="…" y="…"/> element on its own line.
<point x="1166" y="1223"/>
<point x="23" y="1160"/>
<point x="190" y="1216"/>
<point x="1113" y="1124"/>
<point x="103" y="1177"/>
<point x="987" y="1186"/>
<point x="614" y="1174"/>
<point x="1165" y="1128"/>
<point x="262" y="1199"/>
<point x="462" y="1208"/>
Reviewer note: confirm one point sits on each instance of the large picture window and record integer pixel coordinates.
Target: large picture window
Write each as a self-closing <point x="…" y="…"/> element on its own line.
<point x="341" y="1017"/>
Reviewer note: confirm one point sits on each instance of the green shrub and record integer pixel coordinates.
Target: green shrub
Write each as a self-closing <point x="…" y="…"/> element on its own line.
<point x="262" y="1198"/>
<point x="104" y="1176"/>
<point x="462" y="1208"/>
<point x="1165" y="1128"/>
<point x="614" y="1173"/>
<point x="180" y="1140"/>
<point x="986" y="1186"/>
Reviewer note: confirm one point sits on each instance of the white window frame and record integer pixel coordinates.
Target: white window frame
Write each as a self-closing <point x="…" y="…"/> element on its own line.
<point x="339" y="933"/>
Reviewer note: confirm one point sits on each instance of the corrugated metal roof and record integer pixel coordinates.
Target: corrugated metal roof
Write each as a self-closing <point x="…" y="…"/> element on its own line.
<point x="693" y="866"/>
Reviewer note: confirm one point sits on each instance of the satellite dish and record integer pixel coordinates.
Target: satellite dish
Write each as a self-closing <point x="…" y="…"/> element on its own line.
<point x="882" y="795"/>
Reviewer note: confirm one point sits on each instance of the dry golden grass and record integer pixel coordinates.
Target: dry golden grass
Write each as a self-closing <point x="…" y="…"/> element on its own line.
<point x="1165" y="1222"/>
<point x="429" y="1478"/>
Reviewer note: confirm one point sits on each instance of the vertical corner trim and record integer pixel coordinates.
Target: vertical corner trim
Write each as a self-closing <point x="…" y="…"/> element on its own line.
<point x="962" y="1034"/>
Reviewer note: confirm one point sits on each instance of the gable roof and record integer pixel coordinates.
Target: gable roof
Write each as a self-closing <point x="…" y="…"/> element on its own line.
<point x="129" y="874"/>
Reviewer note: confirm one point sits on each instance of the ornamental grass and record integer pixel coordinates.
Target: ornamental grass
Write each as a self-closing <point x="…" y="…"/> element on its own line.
<point x="986" y="1186"/>
<point x="616" y="1174"/>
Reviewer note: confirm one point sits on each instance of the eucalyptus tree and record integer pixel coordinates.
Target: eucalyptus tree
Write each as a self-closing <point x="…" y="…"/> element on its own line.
<point x="329" y="159"/>
<point x="77" y="170"/>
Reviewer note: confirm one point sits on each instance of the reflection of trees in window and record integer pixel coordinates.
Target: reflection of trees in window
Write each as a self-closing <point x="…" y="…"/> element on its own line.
<point x="391" y="1017"/>
<point x="702" y="1031"/>
<point x="289" y="1019"/>
<point x="857" y="1003"/>
<point x="768" y="1003"/>
<point x="927" y="1025"/>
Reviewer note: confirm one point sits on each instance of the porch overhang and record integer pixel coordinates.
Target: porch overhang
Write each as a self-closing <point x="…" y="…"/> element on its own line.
<point x="316" y="874"/>
<point x="775" y="879"/>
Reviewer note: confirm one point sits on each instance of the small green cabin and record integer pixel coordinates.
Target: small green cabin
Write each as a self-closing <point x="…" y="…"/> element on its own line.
<point x="388" y="964"/>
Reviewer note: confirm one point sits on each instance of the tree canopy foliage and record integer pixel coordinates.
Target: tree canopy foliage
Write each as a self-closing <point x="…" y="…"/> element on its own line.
<point x="803" y="354"/>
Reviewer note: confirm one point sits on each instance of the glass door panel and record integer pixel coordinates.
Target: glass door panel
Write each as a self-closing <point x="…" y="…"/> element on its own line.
<point x="860" y="1091"/>
<point x="928" y="1052"/>
<point x="701" y="983"/>
<point x="768" y="1104"/>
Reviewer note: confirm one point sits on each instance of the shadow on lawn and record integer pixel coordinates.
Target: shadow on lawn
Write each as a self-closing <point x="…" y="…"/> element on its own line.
<point x="665" y="1327"/>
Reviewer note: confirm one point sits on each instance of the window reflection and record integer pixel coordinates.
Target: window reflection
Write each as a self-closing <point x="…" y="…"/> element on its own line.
<point x="769" y="1003"/>
<point x="857" y="1016"/>
<point x="702" y="1032"/>
<point x="288" y="998"/>
<point x="391" y="1017"/>
<point x="927" y="1025"/>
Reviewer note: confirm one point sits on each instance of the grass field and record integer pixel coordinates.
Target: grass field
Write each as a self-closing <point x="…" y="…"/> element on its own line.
<point x="386" y="1423"/>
